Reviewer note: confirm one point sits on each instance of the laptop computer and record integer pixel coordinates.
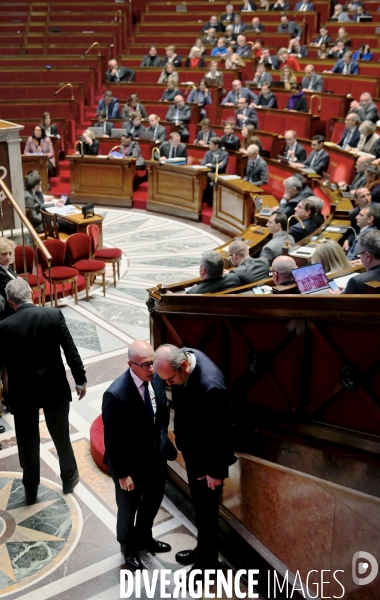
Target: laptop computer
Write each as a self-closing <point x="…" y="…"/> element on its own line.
<point x="229" y="146"/>
<point x="283" y="159"/>
<point x="365" y="18"/>
<point x="265" y="211"/>
<point x="311" y="279"/>
<point x="117" y="133"/>
<point x="146" y="135"/>
<point x="97" y="131"/>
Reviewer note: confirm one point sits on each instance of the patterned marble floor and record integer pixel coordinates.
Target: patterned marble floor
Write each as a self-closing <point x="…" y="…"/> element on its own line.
<point x="64" y="547"/>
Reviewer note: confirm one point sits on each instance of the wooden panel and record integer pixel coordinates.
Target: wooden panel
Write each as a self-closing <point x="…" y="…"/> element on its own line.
<point x="32" y="162"/>
<point x="7" y="220"/>
<point x="233" y="206"/>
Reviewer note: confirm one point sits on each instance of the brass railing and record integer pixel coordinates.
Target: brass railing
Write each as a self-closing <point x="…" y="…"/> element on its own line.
<point x="37" y="243"/>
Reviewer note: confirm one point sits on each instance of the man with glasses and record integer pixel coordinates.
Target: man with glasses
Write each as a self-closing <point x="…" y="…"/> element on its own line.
<point x="180" y="113"/>
<point x="369" y="254"/>
<point x="136" y="415"/>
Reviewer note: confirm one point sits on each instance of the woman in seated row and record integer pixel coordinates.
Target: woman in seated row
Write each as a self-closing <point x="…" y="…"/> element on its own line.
<point x="39" y="143"/>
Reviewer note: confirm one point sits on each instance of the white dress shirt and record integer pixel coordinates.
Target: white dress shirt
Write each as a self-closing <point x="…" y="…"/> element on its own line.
<point x="141" y="388"/>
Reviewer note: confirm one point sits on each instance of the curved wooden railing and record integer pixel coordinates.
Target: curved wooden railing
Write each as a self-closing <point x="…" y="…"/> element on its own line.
<point x="37" y="243"/>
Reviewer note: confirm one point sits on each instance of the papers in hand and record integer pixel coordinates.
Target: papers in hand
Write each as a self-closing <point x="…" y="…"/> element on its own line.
<point x="64" y="210"/>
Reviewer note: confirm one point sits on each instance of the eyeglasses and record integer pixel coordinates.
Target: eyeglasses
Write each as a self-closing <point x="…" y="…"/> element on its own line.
<point x="143" y="365"/>
<point x="362" y="252"/>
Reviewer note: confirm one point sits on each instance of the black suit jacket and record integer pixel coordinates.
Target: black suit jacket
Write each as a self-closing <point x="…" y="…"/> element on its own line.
<point x="147" y="62"/>
<point x="258" y="174"/>
<point x="92" y="150"/>
<point x="5" y="308"/>
<point x="252" y="269"/>
<point x="322" y="163"/>
<point x="181" y="151"/>
<point x="216" y="284"/>
<point x="209" y="157"/>
<point x="356" y="284"/>
<point x="251" y="119"/>
<point x="300" y="152"/>
<point x="270" y="101"/>
<point x="298" y="233"/>
<point x="130" y="435"/>
<point x="123" y="73"/>
<point x="354" y="138"/>
<point x="160" y="135"/>
<point x="31" y="342"/>
<point x="201" y="419"/>
<point x="234" y="140"/>
<point x="288" y="208"/>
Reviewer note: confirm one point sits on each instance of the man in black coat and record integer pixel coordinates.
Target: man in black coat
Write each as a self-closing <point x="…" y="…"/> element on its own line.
<point x="248" y="269"/>
<point x="116" y="74"/>
<point x="31" y="342"/>
<point x="215" y="156"/>
<point x="173" y="148"/>
<point x="230" y="138"/>
<point x="293" y="150"/>
<point x="318" y="160"/>
<point x="305" y="211"/>
<point x="245" y="115"/>
<point x="135" y="415"/>
<point x="369" y="253"/>
<point x="151" y="59"/>
<point x="159" y="132"/>
<point x="256" y="171"/>
<point x="202" y="430"/>
<point x="180" y="113"/>
<point x="211" y="271"/>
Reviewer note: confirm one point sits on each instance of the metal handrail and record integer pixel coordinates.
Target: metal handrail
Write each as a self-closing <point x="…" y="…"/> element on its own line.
<point x="38" y="244"/>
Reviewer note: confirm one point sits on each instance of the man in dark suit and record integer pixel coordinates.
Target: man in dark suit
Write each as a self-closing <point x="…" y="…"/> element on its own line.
<point x="102" y="122"/>
<point x="369" y="253"/>
<point x="248" y="269"/>
<point x="322" y="38"/>
<point x="270" y="62"/>
<point x="116" y="74"/>
<point x="215" y="156"/>
<point x="293" y="150"/>
<point x="213" y="24"/>
<point x="255" y="26"/>
<point x="135" y="415"/>
<point x="366" y="109"/>
<point x="276" y="224"/>
<point x="359" y="180"/>
<point x="262" y="76"/>
<point x="159" y="132"/>
<point x="245" y="115"/>
<point x="345" y="65"/>
<point x="173" y="148"/>
<point x="239" y="27"/>
<point x="110" y="105"/>
<point x="351" y="134"/>
<point x="292" y="196"/>
<point x="205" y="134"/>
<point x="229" y="15"/>
<point x="291" y="27"/>
<point x="305" y="211"/>
<point x="366" y="218"/>
<point x="180" y="112"/>
<point x="318" y="159"/>
<point x="312" y="82"/>
<point x="337" y="51"/>
<point x="211" y="271"/>
<point x="237" y="92"/>
<point x="202" y="430"/>
<point x="151" y="59"/>
<point x="256" y="171"/>
<point x="304" y="6"/>
<point x="134" y="128"/>
<point x="31" y="342"/>
<point x="229" y="137"/>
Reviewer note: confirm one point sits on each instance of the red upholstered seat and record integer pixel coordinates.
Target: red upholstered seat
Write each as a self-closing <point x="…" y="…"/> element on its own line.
<point x="60" y="273"/>
<point x="90" y="266"/>
<point x="78" y="247"/>
<point x="97" y="443"/>
<point x="27" y="253"/>
<point x="109" y="255"/>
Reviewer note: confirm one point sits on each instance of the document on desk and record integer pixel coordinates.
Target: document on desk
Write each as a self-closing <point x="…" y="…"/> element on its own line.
<point x="342" y="281"/>
<point x="229" y="177"/>
<point x="64" y="210"/>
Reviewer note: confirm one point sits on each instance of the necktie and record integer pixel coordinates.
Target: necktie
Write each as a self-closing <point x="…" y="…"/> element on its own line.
<point x="347" y="140"/>
<point x="314" y="159"/>
<point x="104" y="128"/>
<point x="148" y="400"/>
<point x="107" y="110"/>
<point x="117" y="75"/>
<point x="205" y="138"/>
<point x="310" y="84"/>
<point x="177" y="115"/>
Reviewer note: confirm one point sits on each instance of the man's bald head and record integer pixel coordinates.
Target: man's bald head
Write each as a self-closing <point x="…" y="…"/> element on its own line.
<point x="140" y="359"/>
<point x="282" y="268"/>
<point x="238" y="251"/>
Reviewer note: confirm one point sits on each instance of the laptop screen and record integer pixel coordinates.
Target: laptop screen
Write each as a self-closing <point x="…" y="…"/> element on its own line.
<point x="311" y="278"/>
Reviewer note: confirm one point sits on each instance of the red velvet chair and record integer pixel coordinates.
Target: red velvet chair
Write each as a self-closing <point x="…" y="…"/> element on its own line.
<point x="78" y="247"/>
<point x="59" y="272"/>
<point x="29" y="263"/>
<point x="107" y="255"/>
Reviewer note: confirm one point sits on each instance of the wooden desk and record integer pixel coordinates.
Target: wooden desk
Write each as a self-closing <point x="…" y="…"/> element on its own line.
<point x="80" y="223"/>
<point x="104" y="181"/>
<point x="176" y="190"/>
<point x="233" y="205"/>
<point x="36" y="162"/>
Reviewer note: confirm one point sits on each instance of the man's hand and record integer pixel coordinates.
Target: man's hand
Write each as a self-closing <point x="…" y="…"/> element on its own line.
<point x="163" y="159"/>
<point x="355" y="104"/>
<point x="105" y="135"/>
<point x="126" y="483"/>
<point x="211" y="482"/>
<point x="241" y="117"/>
<point x="81" y="392"/>
<point x="342" y="185"/>
<point x="228" y="104"/>
<point x="346" y="245"/>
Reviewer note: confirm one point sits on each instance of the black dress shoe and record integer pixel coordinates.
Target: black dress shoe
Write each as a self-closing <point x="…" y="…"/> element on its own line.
<point x="67" y="488"/>
<point x="30" y="497"/>
<point x="186" y="557"/>
<point x="157" y="546"/>
<point x="2" y="429"/>
<point x="133" y="562"/>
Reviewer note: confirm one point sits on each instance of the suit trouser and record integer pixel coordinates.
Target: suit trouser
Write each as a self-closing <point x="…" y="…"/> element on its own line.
<point x="141" y="503"/>
<point x="28" y="442"/>
<point x="206" y="508"/>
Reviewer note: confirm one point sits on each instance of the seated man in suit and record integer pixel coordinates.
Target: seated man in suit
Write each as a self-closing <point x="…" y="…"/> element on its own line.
<point x="159" y="132"/>
<point x="229" y="15"/>
<point x="366" y="109"/>
<point x="102" y="122"/>
<point x="322" y="38"/>
<point x="239" y="27"/>
<point x="292" y="196"/>
<point x="312" y="82"/>
<point x="133" y="127"/>
<point x="359" y="180"/>
<point x="151" y="59"/>
<point x="180" y="112"/>
<point x="229" y="137"/>
<point x="136" y="403"/>
<point x="211" y="272"/>
<point x="369" y="252"/>
<point x="256" y="26"/>
<point x="214" y="24"/>
<point x="305" y="211"/>
<point x="173" y="148"/>
<point x="367" y="218"/>
<point x="248" y="269"/>
<point x="293" y="150"/>
<point x="242" y="48"/>
<point x="214" y="156"/>
<point x="256" y="171"/>
<point x="351" y="134"/>
<point x="110" y="105"/>
<point x="276" y="224"/>
<point x="291" y="27"/>
<point x="116" y="74"/>
<point x="266" y="98"/>
<point x="337" y="51"/>
<point x="304" y="6"/>
<point x="282" y="268"/>
<point x="345" y="65"/>
<point x="261" y="76"/>
<point x="205" y="134"/>
<point x="270" y="62"/>
<point x="245" y="115"/>
<point x="238" y="92"/>
<point x="318" y="159"/>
